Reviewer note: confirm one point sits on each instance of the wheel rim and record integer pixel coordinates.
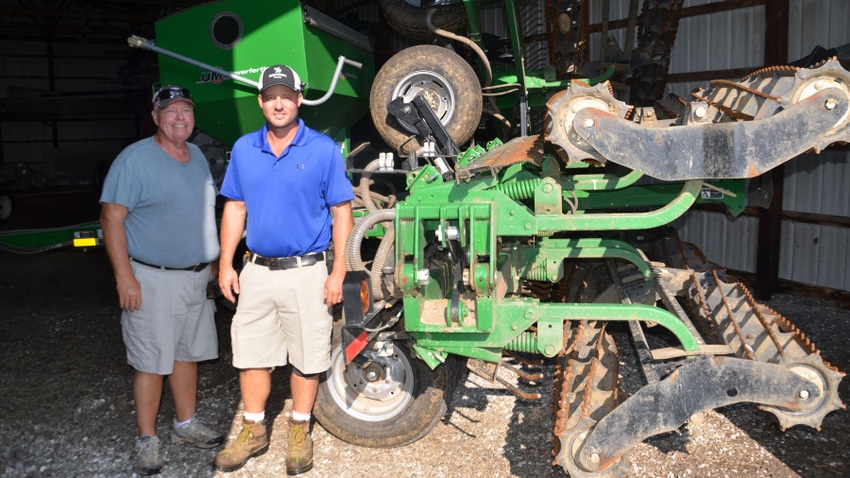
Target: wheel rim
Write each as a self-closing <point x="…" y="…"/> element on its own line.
<point x="5" y="207"/>
<point x="436" y="91"/>
<point x="378" y="389"/>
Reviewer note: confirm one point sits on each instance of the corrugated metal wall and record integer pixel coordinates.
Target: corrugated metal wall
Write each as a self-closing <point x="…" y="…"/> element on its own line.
<point x="810" y="253"/>
<point x="814" y="254"/>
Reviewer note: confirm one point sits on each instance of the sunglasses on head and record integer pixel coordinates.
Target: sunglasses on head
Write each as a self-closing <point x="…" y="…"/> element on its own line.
<point x="169" y="92"/>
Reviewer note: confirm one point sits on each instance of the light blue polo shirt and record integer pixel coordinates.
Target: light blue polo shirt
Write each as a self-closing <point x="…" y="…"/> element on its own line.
<point x="171" y="205"/>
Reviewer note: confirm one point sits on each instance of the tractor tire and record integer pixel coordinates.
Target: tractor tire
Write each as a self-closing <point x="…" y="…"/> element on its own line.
<point x="407" y="18"/>
<point x="386" y="411"/>
<point x="446" y="81"/>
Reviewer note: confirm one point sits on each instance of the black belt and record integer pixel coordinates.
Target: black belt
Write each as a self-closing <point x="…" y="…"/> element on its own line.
<point x="290" y="262"/>
<point x="195" y="268"/>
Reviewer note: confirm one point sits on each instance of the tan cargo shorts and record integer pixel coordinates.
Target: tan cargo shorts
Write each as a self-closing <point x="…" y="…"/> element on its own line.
<point x="281" y="318"/>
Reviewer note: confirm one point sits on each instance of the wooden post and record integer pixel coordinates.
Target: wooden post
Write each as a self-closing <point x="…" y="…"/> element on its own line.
<point x="776" y="14"/>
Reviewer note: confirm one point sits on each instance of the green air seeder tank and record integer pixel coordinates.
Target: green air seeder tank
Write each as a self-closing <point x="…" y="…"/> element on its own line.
<point x="245" y="36"/>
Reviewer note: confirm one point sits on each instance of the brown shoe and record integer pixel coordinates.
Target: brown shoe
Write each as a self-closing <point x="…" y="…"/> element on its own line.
<point x="252" y="441"/>
<point x="299" y="454"/>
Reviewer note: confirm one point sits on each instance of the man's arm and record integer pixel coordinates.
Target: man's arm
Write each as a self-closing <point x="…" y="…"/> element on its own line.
<point x="232" y="227"/>
<point x="112" y="218"/>
<point x="342" y="226"/>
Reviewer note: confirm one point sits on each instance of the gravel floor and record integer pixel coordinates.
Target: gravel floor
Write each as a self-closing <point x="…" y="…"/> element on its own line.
<point x="66" y="406"/>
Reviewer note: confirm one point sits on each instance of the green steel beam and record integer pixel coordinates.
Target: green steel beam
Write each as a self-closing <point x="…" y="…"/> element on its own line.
<point x="732" y="195"/>
<point x="550" y="254"/>
<point x="517" y="315"/>
<point x="546" y="223"/>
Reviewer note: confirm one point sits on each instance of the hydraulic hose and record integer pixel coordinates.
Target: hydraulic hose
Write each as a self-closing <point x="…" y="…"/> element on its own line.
<point x="364" y="196"/>
<point x="381" y="258"/>
<point x="365" y="182"/>
<point x="494" y="111"/>
<point x="353" y="261"/>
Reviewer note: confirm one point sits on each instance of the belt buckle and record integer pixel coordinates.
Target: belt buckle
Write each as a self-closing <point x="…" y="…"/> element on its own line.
<point x="277" y="264"/>
<point x="309" y="259"/>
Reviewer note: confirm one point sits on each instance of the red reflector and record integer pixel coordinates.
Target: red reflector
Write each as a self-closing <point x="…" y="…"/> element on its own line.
<point x="356" y="347"/>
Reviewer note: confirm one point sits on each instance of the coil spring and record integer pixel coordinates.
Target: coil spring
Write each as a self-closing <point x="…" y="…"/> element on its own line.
<point x="525" y="342"/>
<point x="520" y="189"/>
<point x="538" y="289"/>
<point x="531" y="167"/>
<point x="539" y="273"/>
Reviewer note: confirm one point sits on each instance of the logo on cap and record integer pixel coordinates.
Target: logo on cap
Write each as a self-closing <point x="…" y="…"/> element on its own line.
<point x="280" y="75"/>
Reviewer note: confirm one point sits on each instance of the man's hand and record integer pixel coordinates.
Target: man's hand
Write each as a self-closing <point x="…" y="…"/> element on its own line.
<point x="343" y="223"/>
<point x="333" y="288"/>
<point x="112" y="218"/>
<point x="129" y="293"/>
<point x="232" y="227"/>
<point x="228" y="281"/>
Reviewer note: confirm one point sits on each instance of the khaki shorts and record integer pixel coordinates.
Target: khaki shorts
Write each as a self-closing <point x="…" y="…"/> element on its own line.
<point x="282" y="319"/>
<point x="176" y="320"/>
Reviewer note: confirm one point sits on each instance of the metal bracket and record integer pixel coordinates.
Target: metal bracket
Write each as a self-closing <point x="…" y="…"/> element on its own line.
<point x="743" y="149"/>
<point x="697" y="386"/>
<point x="418" y="114"/>
<point x="354" y="334"/>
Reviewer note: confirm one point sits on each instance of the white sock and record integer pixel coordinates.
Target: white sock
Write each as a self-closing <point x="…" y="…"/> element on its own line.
<point x="255" y="417"/>
<point x="301" y="417"/>
<point x="180" y="424"/>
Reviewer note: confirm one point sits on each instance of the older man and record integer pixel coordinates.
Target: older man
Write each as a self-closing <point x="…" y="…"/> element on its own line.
<point x="289" y="182"/>
<point x="159" y="228"/>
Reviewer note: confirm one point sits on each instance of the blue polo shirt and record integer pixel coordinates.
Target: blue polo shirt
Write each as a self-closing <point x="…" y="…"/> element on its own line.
<point x="288" y="197"/>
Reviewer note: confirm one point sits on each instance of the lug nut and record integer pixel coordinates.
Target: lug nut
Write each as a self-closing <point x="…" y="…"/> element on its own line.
<point x="831" y="104"/>
<point x="804" y="394"/>
<point x="588" y="123"/>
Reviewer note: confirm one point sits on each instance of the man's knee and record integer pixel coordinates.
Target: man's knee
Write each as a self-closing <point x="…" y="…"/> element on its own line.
<point x="301" y="374"/>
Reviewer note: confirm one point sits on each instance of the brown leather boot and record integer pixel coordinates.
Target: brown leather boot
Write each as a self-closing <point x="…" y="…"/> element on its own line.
<point x="252" y="441"/>
<point x="299" y="454"/>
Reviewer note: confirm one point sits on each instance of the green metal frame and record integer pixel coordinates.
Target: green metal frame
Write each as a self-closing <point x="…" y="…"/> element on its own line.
<point x="515" y="316"/>
<point x="492" y="213"/>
